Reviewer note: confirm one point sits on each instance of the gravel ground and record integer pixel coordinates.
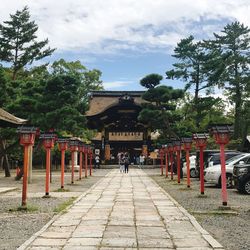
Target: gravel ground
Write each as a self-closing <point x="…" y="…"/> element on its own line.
<point x="232" y="231"/>
<point x="16" y="226"/>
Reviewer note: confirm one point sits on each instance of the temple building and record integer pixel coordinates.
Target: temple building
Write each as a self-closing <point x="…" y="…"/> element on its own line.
<point x="114" y="115"/>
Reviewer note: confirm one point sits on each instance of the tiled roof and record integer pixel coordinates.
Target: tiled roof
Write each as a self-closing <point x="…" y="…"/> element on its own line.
<point x="5" y="116"/>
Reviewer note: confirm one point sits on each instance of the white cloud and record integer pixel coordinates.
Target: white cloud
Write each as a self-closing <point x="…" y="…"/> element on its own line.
<point x="116" y="85"/>
<point x="112" y="26"/>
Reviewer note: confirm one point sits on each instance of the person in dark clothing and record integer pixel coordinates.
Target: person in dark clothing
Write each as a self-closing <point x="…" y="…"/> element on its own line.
<point x="126" y="162"/>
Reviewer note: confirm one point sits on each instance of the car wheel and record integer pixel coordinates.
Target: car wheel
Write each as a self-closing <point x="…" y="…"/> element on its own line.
<point x="229" y="181"/>
<point x="192" y="173"/>
<point x="247" y="187"/>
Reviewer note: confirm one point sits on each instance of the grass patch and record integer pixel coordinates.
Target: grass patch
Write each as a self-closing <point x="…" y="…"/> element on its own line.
<point x="64" y="205"/>
<point x="179" y="184"/>
<point x="215" y="212"/>
<point x="62" y="190"/>
<point x="27" y="209"/>
<point x="202" y="196"/>
<point x="185" y="189"/>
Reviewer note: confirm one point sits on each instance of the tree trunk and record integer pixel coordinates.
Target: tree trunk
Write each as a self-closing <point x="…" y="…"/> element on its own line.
<point x="4" y="158"/>
<point x="237" y="115"/>
<point x="196" y="103"/>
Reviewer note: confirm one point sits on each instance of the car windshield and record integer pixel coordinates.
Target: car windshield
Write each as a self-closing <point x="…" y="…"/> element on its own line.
<point x="234" y="158"/>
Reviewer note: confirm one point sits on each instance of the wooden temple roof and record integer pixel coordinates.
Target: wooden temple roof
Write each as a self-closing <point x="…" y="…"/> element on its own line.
<point x="102" y="100"/>
<point x="7" y="119"/>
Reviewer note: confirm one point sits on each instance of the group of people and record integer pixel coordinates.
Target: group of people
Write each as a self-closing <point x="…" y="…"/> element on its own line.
<point x="123" y="161"/>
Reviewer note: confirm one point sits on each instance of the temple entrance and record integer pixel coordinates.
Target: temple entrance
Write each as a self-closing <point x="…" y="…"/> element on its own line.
<point x="114" y="114"/>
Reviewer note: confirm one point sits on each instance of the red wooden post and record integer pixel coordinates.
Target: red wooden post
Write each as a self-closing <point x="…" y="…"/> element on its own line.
<point x="90" y="161"/>
<point x="63" y="145"/>
<point x="81" y="149"/>
<point x="161" y="159"/>
<point x="73" y="144"/>
<point x="177" y="147"/>
<point x="187" y="144"/>
<point x="27" y="138"/>
<point x="171" y="150"/>
<point x="80" y="170"/>
<point x="86" y="161"/>
<point x="201" y="141"/>
<point x="167" y="160"/>
<point x="48" y="144"/>
<point x="221" y="135"/>
<point x="62" y="167"/>
<point x="25" y="175"/>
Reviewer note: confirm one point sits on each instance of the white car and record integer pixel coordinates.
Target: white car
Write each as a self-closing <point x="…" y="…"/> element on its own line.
<point x="213" y="174"/>
<point x="193" y="173"/>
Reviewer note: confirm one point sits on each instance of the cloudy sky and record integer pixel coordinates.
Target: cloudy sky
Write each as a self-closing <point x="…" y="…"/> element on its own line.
<point x="126" y="39"/>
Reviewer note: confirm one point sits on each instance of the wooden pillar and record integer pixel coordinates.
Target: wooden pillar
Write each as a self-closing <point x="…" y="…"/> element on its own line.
<point x="30" y="153"/>
<point x="145" y="150"/>
<point x="107" y="152"/>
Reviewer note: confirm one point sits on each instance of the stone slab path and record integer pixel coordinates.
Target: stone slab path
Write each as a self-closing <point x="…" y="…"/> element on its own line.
<point x="123" y="211"/>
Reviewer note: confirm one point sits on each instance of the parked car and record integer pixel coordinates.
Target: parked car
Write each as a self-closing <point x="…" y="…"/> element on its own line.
<point x="241" y="174"/>
<point x="215" y="158"/>
<point x="212" y="157"/>
<point x="192" y="167"/>
<point x="213" y="174"/>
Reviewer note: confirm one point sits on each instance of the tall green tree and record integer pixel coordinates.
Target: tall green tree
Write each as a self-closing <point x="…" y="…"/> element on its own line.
<point x="18" y="42"/>
<point x="158" y="112"/>
<point x="229" y="66"/>
<point x="191" y="68"/>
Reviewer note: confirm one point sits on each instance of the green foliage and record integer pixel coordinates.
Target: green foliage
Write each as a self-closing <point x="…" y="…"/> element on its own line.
<point x="230" y="66"/>
<point x="159" y="112"/>
<point x="151" y="81"/>
<point x="18" y="44"/>
<point x="63" y="206"/>
<point x="191" y="68"/>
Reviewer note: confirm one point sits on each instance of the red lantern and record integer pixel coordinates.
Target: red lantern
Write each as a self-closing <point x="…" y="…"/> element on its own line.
<point x="221" y="134"/>
<point x="48" y="143"/>
<point x="187" y="144"/>
<point x="27" y="138"/>
<point x="62" y="145"/>
<point x="177" y="147"/>
<point x="201" y="142"/>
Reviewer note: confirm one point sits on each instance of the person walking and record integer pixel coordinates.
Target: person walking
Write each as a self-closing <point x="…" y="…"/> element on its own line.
<point x="126" y="162"/>
<point x="122" y="162"/>
<point x="141" y="160"/>
<point x="97" y="161"/>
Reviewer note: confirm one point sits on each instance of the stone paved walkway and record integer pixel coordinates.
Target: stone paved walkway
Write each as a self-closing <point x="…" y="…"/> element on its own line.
<point x="124" y="211"/>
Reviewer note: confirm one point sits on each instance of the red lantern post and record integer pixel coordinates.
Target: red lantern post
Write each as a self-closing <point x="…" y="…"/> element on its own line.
<point x="167" y="160"/>
<point x="201" y="142"/>
<point x="177" y="149"/>
<point x="221" y="135"/>
<point x="73" y="146"/>
<point x="27" y="138"/>
<point x="63" y="145"/>
<point x="171" y="151"/>
<point x="161" y="159"/>
<point x="48" y="144"/>
<point x="187" y="145"/>
<point x="81" y="150"/>
<point x="86" y="160"/>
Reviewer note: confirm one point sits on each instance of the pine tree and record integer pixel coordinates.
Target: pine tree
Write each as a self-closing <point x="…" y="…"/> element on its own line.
<point x="18" y="44"/>
<point x="230" y="66"/>
<point x="190" y="68"/>
<point x="159" y="111"/>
